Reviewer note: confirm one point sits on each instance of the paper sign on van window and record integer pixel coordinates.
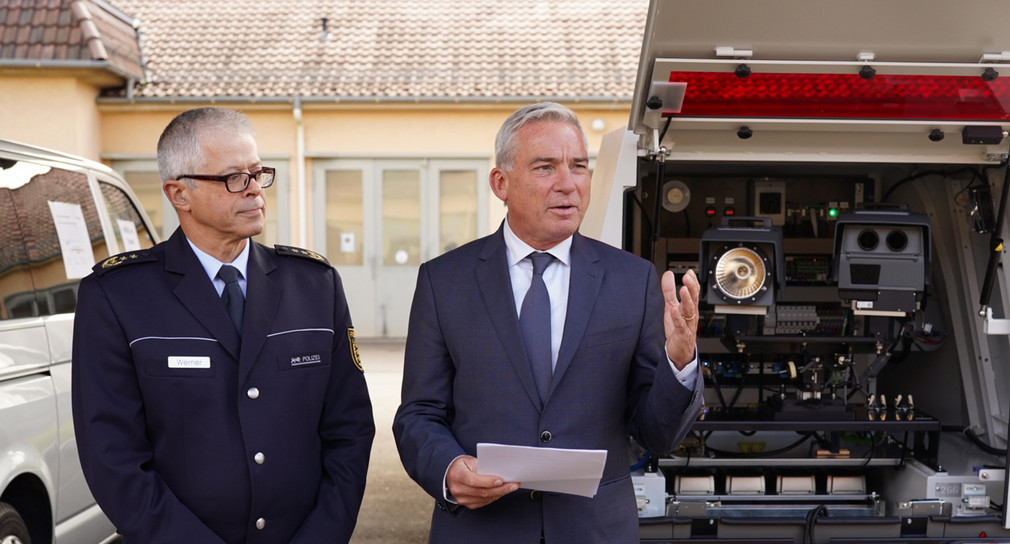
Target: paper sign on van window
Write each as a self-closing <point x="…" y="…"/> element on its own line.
<point x="78" y="258"/>
<point x="128" y="232"/>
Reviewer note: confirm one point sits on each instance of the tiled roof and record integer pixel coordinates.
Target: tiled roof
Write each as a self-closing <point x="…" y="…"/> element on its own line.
<point x="63" y="31"/>
<point x="390" y="49"/>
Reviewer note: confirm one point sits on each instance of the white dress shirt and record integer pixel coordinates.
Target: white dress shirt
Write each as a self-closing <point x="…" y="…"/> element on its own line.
<point x="557" y="276"/>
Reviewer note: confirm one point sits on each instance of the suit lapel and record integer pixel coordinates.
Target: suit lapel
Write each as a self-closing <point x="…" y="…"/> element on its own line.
<point x="495" y="286"/>
<point x="196" y="292"/>
<point x="263" y="296"/>
<point x="583" y="289"/>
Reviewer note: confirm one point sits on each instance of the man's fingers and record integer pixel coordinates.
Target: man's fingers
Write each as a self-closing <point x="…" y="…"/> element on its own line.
<point x="690" y="281"/>
<point x="669" y="284"/>
<point x="473" y="490"/>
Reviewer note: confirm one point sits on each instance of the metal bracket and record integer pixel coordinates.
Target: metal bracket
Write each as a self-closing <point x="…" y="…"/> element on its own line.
<point x="665" y="97"/>
<point x="729" y="51"/>
<point x="1002" y="56"/>
<point x="993" y="326"/>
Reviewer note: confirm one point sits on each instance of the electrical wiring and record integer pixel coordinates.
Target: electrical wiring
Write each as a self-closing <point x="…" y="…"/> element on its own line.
<point x="970" y="433"/>
<point x="975" y="175"/>
<point x="810" y="521"/>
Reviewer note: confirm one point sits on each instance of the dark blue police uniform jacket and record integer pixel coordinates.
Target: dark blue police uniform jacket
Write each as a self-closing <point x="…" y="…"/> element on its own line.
<point x="467" y="380"/>
<point x="188" y="433"/>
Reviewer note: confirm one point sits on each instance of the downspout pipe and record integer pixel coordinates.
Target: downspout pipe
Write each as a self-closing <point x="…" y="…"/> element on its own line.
<point x="300" y="165"/>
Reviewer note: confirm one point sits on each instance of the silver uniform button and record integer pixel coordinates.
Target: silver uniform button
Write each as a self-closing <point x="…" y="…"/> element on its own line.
<point x="261" y="523"/>
<point x="259" y="458"/>
<point x="253" y="393"/>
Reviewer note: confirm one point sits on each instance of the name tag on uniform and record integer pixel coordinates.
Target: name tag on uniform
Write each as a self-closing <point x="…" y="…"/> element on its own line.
<point x="175" y="361"/>
<point x="307" y="359"/>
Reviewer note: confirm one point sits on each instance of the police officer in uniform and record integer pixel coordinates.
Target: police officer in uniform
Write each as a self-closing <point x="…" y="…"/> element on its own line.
<point x="217" y="391"/>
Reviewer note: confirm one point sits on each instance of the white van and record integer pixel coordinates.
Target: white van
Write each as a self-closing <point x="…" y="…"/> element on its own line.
<point x="59" y="215"/>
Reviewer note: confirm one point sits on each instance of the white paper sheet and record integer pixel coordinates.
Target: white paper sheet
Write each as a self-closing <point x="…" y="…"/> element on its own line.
<point x="128" y="232"/>
<point x="75" y="243"/>
<point x="577" y="472"/>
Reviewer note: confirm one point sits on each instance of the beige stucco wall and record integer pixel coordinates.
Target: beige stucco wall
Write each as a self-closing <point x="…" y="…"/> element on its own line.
<point x="51" y="111"/>
<point x="375" y="131"/>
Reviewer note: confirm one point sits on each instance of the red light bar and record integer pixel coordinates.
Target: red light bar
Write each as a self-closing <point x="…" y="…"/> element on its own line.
<point x="844" y="96"/>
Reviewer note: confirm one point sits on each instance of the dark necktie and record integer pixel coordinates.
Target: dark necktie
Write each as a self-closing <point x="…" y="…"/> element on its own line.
<point x="232" y="295"/>
<point x="535" y="322"/>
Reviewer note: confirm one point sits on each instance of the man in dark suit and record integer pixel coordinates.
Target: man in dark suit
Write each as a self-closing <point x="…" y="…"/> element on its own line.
<point x="479" y="367"/>
<point x="215" y="405"/>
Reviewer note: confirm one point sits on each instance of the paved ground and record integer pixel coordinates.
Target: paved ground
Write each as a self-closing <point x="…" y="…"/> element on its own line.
<point x="395" y="510"/>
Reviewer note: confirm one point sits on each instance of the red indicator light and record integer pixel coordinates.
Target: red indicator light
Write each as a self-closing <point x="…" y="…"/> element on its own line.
<point x="844" y="96"/>
<point x="710" y="211"/>
<point x="730" y="211"/>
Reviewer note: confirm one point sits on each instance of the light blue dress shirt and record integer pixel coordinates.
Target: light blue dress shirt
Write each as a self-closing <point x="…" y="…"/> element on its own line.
<point x="212" y="265"/>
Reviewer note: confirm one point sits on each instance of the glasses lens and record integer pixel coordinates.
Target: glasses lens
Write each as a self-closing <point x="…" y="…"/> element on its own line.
<point x="237" y="182"/>
<point x="264" y="177"/>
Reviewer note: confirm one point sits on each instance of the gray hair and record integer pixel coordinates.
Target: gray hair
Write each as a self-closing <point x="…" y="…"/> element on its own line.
<point x="180" y="149"/>
<point x="505" y="141"/>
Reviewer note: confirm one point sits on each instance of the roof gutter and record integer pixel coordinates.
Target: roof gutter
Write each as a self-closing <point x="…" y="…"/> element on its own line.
<point x="338" y="100"/>
<point x="67" y="65"/>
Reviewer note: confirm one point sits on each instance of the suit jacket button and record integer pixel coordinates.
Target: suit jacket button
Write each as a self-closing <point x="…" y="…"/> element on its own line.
<point x="545" y="437"/>
<point x="261" y="523"/>
<point x="535" y="496"/>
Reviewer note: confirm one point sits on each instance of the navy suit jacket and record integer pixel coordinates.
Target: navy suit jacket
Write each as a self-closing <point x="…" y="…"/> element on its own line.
<point x="467" y="380"/>
<point x="189" y="433"/>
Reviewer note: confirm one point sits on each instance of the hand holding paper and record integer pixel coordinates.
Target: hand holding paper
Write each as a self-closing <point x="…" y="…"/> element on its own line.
<point x="577" y="472"/>
<point x="469" y="488"/>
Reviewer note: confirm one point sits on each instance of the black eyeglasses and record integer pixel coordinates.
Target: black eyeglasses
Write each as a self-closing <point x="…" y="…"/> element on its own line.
<point x="239" y="181"/>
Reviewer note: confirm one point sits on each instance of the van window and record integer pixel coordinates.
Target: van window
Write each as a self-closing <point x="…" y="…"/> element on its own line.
<point x="17" y="299"/>
<point x="62" y="237"/>
<point x="131" y="232"/>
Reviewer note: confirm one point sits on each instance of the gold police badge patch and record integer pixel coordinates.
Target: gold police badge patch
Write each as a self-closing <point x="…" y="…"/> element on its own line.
<point x="355" y="356"/>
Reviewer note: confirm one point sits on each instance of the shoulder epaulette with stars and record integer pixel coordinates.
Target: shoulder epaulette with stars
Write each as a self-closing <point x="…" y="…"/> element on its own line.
<point x="122" y="259"/>
<point x="290" y="251"/>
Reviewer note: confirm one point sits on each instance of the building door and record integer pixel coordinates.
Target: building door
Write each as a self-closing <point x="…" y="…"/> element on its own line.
<point x="378" y="220"/>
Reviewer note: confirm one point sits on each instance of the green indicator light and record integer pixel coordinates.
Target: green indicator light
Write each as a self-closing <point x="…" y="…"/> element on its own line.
<point x="832" y="212"/>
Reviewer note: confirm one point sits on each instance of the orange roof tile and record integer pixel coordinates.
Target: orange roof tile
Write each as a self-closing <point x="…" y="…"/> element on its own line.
<point x="67" y="31"/>
<point x="390" y="49"/>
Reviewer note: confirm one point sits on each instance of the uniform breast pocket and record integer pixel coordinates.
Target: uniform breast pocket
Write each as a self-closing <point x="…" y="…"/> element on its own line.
<point x="302" y="350"/>
<point x="177" y="358"/>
